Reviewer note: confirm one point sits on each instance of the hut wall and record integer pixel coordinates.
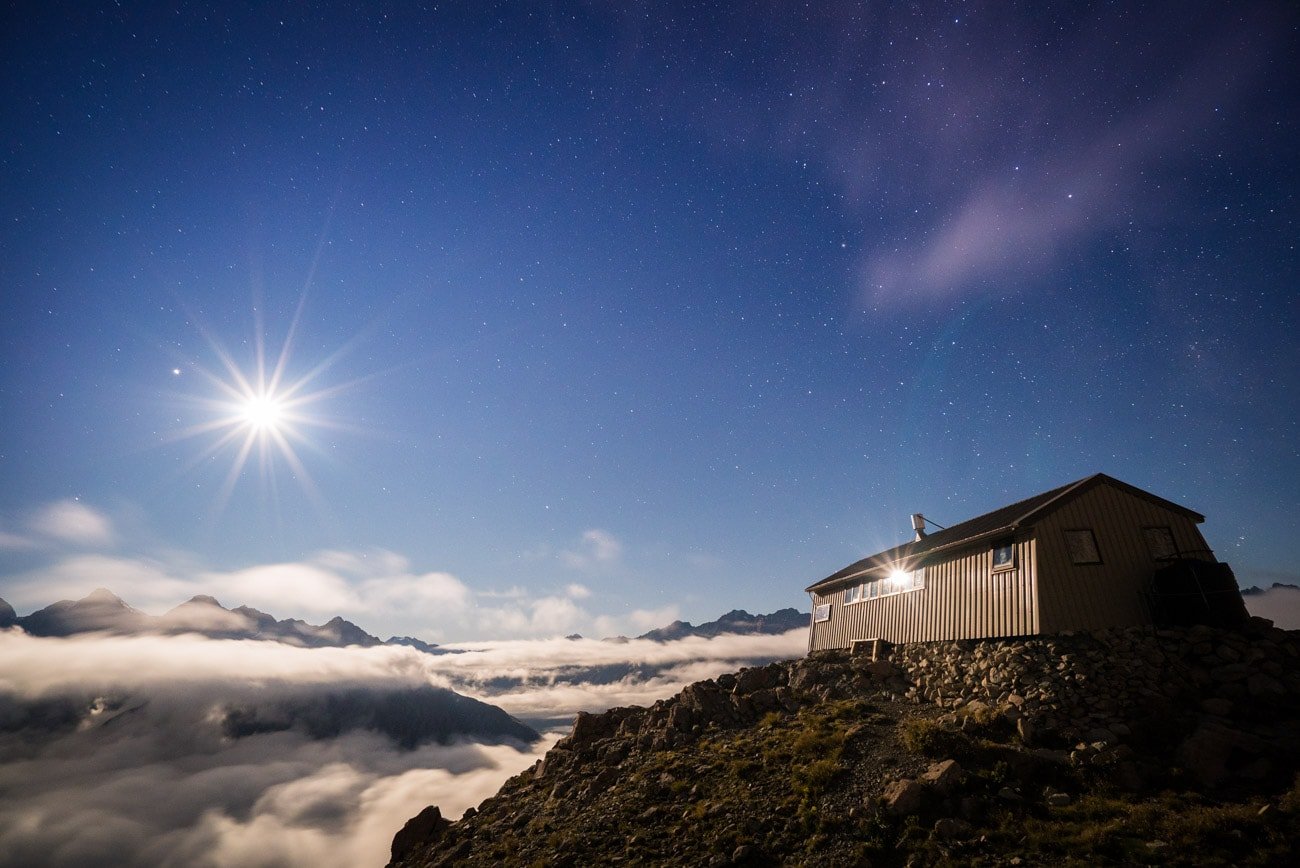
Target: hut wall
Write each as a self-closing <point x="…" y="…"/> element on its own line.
<point x="1109" y="594"/>
<point x="963" y="599"/>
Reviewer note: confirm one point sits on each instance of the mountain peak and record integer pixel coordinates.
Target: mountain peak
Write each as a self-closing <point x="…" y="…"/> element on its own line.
<point x="203" y="600"/>
<point x="103" y="596"/>
<point x="735" y="621"/>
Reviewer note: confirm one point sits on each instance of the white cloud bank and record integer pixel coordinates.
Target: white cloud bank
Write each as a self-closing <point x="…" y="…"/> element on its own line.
<point x="157" y="787"/>
<point x="377" y="588"/>
<point x="1280" y="604"/>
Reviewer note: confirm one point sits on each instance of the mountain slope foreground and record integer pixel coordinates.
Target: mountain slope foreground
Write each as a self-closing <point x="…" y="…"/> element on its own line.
<point x="1124" y="747"/>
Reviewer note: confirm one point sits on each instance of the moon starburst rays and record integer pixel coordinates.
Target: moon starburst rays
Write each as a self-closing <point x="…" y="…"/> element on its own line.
<point x="257" y="415"/>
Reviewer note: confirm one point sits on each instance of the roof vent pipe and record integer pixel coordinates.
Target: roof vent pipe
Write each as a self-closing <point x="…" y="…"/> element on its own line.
<point x="918" y="525"/>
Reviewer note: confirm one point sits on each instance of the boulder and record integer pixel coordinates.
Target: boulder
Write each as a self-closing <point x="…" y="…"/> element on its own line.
<point x="759" y="678"/>
<point x="425" y="828"/>
<point x="1206" y="752"/>
<point x="944" y="776"/>
<point x="903" y="798"/>
<point x="880" y="669"/>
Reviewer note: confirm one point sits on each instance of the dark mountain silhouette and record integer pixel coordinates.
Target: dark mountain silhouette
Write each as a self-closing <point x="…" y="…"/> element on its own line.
<point x="418" y="645"/>
<point x="1254" y="591"/>
<point x="409" y="716"/>
<point x="735" y="621"/>
<point x="104" y="612"/>
<point x="99" y="611"/>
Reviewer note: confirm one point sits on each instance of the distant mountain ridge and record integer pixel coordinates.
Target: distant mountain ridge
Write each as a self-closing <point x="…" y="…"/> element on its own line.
<point x="737" y="621"/>
<point x="1246" y="592"/>
<point x="102" y="611"/>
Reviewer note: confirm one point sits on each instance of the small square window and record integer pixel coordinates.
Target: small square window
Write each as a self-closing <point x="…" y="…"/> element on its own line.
<point x="1082" y="545"/>
<point x="1004" y="556"/>
<point x="1160" y="543"/>
<point x="822" y="613"/>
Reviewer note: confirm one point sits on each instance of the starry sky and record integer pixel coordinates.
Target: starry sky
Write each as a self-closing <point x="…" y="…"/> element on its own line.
<point x="585" y="316"/>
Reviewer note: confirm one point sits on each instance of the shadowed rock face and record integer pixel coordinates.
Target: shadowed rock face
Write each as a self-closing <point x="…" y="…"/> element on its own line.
<point x="971" y="752"/>
<point x="8" y="617"/>
<point x="409" y="717"/>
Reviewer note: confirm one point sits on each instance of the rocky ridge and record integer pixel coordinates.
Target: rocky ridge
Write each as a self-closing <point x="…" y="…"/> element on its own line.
<point x="737" y="622"/>
<point x="1123" y="747"/>
<point x="102" y="611"/>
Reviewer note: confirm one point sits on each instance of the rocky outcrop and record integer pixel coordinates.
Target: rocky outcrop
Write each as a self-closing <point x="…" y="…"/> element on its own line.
<point x="959" y="751"/>
<point x="422" y="830"/>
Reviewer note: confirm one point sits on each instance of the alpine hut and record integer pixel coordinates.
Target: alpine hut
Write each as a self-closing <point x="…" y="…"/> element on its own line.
<point x="1093" y="554"/>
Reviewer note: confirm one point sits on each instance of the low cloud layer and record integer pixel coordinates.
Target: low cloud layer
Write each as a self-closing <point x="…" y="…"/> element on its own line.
<point x="269" y="800"/>
<point x="37" y="667"/>
<point x="551" y="679"/>
<point x="141" y="775"/>
<point x="1279" y="603"/>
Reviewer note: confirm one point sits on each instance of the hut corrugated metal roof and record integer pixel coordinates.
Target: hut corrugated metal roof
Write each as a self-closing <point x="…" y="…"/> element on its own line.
<point x="1004" y="520"/>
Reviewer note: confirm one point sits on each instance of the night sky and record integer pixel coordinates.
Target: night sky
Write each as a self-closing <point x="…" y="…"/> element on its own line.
<point x="583" y="316"/>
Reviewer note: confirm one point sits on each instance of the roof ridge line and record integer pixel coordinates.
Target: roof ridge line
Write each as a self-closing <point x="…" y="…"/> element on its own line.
<point x="1065" y="492"/>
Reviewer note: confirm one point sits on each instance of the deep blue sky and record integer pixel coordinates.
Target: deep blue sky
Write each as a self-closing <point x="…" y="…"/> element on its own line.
<point x="617" y="307"/>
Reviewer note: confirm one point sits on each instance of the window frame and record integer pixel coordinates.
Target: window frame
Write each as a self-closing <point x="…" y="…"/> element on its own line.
<point x="1011" y="564"/>
<point x="821" y="613"/>
<point x="1174" y="553"/>
<point x="1069" y="550"/>
<point x="874" y="589"/>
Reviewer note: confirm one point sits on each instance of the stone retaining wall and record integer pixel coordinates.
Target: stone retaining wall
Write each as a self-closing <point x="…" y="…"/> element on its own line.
<point x="1229" y="689"/>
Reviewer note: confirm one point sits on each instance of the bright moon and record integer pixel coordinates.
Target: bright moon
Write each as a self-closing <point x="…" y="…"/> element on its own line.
<point x="260" y="415"/>
<point x="263" y="412"/>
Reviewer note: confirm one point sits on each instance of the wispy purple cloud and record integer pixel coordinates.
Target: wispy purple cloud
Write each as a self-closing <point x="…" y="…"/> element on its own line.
<point x="1092" y="167"/>
<point x="977" y="144"/>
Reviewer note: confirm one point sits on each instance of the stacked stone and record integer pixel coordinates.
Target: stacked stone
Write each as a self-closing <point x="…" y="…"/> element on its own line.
<point x="1091" y="691"/>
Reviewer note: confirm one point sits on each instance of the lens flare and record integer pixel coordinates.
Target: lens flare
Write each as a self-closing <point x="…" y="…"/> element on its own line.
<point x="261" y="411"/>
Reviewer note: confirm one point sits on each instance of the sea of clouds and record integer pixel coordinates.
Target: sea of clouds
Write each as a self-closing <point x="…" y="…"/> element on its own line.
<point x="145" y="775"/>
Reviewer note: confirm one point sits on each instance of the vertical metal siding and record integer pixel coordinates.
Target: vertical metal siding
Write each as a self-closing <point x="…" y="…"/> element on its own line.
<point x="963" y="599"/>
<point x="1108" y="594"/>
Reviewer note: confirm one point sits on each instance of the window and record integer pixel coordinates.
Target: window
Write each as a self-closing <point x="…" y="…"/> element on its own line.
<point x="822" y="613"/>
<point x="1082" y="546"/>
<point x="897" y="582"/>
<point x="1160" y="543"/>
<point x="1004" y="556"/>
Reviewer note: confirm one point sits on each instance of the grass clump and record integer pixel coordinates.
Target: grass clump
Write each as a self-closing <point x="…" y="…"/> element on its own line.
<point x="926" y="737"/>
<point x="1171" y="826"/>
